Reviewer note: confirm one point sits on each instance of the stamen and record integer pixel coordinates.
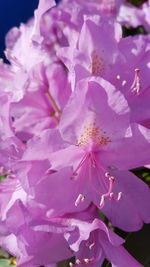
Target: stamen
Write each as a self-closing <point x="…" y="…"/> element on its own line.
<point x="111" y="179"/>
<point x="91" y="245"/>
<point x="124" y="82"/>
<point x="111" y="195"/>
<point x="79" y="199"/>
<point x="78" y="261"/>
<point x="70" y="264"/>
<point x="118" y="77"/>
<point x="86" y="260"/>
<point x="119" y="196"/>
<point x="136" y="85"/>
<point x="106" y="184"/>
<point x="91" y="177"/>
<point x="108" y="175"/>
<point x="74" y="175"/>
<point x="102" y="201"/>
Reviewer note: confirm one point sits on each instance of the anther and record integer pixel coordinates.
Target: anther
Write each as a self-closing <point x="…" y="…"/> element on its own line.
<point x="119" y="196"/>
<point x="124" y="82"/>
<point x="118" y="77"/>
<point x="78" y="261"/>
<point x="91" y="245"/>
<point x="102" y="200"/>
<point x="86" y="260"/>
<point x="107" y="175"/>
<point x="79" y="199"/>
<point x="136" y="86"/>
<point x="111" y="178"/>
<point x="70" y="264"/>
<point x="111" y="195"/>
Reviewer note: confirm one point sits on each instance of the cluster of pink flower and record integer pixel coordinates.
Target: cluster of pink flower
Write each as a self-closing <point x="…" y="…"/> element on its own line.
<point x="74" y="119"/>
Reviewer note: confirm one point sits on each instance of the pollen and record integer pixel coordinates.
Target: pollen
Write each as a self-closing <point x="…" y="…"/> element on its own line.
<point x="97" y="64"/>
<point x="92" y="134"/>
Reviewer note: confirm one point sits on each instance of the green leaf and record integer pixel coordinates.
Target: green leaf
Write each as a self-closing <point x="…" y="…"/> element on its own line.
<point x="5" y="263"/>
<point x="2" y="178"/>
<point x="136" y="2"/>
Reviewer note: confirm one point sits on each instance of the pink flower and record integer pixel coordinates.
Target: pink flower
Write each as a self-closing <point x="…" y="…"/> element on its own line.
<point x="130" y="15"/>
<point x="44" y="5"/>
<point x="31" y="247"/>
<point x="89" y="239"/>
<point x="101" y="57"/>
<point x="98" y="151"/>
<point x="108" y="56"/>
<point x="20" y="47"/>
<point x="145" y="11"/>
<point x="65" y="155"/>
<point x="43" y="102"/>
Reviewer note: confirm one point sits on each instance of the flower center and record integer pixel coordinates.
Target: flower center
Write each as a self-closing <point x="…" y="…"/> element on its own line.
<point x="94" y="136"/>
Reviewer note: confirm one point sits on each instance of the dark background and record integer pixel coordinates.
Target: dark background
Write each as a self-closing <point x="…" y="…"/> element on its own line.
<point x="12" y="13"/>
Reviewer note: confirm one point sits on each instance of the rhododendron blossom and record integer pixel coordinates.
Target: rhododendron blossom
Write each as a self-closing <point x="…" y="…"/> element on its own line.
<point x="74" y="129"/>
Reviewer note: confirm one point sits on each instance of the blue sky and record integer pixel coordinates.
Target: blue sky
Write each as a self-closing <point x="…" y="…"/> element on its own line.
<point x="12" y="12"/>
